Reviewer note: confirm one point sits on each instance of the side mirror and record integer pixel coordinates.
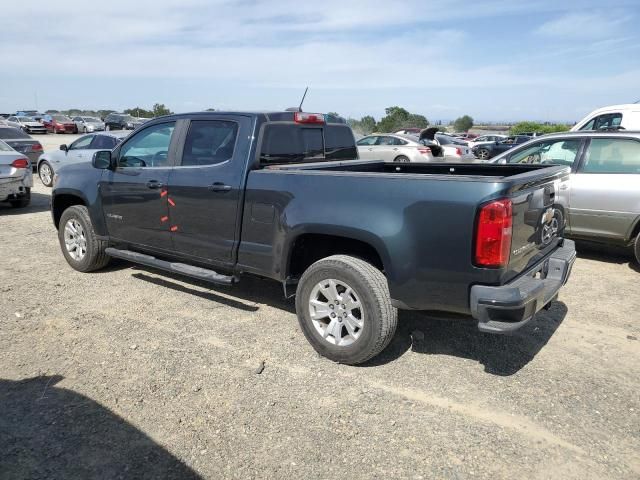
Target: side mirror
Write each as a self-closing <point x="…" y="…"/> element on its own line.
<point x="64" y="147"/>
<point x="102" y="160"/>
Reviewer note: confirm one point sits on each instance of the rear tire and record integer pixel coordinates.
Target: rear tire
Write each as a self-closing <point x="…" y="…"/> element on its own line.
<point x="361" y="295"/>
<point x="401" y="159"/>
<point x="483" y="154"/>
<point x="637" y="248"/>
<point x="82" y="249"/>
<point x="22" y="201"/>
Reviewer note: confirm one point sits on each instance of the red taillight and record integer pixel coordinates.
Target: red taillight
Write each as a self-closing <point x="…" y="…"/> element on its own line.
<point x="303" y="117"/>
<point x="458" y="151"/>
<point x="424" y="150"/>
<point x="20" y="163"/>
<point x="493" y="234"/>
<point x="36" y="147"/>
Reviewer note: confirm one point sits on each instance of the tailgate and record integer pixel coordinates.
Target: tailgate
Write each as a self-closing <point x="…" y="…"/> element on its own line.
<point x="538" y="222"/>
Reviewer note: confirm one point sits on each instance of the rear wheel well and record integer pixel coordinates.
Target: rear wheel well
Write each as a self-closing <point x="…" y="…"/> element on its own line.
<point x="309" y="248"/>
<point x="61" y="203"/>
<point x="636" y="230"/>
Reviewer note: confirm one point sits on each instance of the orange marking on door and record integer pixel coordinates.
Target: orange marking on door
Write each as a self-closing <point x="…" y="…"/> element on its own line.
<point x="163" y="193"/>
<point x="174" y="228"/>
<point x="171" y="202"/>
<point x="164" y="219"/>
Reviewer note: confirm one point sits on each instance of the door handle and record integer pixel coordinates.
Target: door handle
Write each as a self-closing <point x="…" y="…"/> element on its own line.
<point x="395" y="149"/>
<point x="154" y="184"/>
<point x="564" y="187"/>
<point x="219" y="187"/>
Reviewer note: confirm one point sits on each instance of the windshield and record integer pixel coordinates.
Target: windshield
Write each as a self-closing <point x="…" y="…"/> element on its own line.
<point x="12" y="133"/>
<point x="61" y="118"/>
<point x="25" y="119"/>
<point x="91" y="119"/>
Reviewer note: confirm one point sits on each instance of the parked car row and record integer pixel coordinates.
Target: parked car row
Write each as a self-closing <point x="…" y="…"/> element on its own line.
<point x="31" y="122"/>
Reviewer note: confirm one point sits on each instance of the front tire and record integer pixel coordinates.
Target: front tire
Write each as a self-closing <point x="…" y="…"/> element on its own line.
<point x="344" y="309"/>
<point x="22" y="201"/>
<point x="82" y="249"/>
<point x="636" y="249"/>
<point x="401" y="159"/>
<point x="45" y="172"/>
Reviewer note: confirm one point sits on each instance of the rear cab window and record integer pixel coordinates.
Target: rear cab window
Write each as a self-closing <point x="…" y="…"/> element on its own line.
<point x="298" y="143"/>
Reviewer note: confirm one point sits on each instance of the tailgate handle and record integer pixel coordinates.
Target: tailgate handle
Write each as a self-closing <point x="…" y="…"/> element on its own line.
<point x="154" y="184"/>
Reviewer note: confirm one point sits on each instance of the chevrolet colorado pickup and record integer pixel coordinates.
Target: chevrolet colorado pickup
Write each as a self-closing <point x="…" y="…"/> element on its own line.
<point x="283" y="195"/>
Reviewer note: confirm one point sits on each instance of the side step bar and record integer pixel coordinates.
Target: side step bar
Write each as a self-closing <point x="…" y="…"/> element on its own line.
<point x="181" y="268"/>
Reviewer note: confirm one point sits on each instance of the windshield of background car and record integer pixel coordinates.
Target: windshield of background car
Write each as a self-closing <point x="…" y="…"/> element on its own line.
<point x="25" y="119"/>
<point x="91" y="119"/>
<point x="12" y="133"/>
<point x="61" y="118"/>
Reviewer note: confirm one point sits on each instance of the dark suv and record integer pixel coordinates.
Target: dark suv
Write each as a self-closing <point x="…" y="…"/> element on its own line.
<point x="120" y="121"/>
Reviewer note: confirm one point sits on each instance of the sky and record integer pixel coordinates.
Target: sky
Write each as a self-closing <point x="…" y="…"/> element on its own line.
<point x="494" y="60"/>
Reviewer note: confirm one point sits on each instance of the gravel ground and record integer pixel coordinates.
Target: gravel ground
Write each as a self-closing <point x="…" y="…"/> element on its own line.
<point x="132" y="373"/>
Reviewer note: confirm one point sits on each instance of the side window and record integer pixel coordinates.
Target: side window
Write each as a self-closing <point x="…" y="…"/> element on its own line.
<point x="612" y="155"/>
<point x="148" y="147"/>
<point x="209" y="142"/>
<point x="103" y="142"/>
<point x="82" y="143"/>
<point x="605" y="121"/>
<point x="398" y="141"/>
<point x="339" y="143"/>
<point x="385" y="141"/>
<point x="367" y="141"/>
<point x="561" y="152"/>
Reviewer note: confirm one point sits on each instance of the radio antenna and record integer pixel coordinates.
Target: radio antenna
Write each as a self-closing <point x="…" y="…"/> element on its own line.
<point x="303" y="97"/>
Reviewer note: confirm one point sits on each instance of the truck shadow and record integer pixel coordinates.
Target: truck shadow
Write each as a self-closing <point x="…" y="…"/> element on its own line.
<point x="501" y="355"/>
<point x="52" y="432"/>
<point x="39" y="203"/>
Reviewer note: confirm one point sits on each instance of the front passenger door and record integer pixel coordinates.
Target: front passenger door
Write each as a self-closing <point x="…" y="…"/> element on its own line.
<point x="134" y="195"/>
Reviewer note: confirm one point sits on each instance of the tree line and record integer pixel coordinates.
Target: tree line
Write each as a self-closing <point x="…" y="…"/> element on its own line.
<point x="398" y="118"/>
<point x="158" y="110"/>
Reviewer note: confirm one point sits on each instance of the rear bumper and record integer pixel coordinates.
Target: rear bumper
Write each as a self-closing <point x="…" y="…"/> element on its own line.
<point x="506" y="308"/>
<point x="11" y="188"/>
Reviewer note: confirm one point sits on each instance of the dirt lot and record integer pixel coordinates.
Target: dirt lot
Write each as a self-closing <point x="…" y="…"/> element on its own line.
<point x="131" y="373"/>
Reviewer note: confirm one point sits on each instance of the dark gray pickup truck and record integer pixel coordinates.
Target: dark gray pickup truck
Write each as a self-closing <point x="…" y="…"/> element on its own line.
<point x="283" y="195"/>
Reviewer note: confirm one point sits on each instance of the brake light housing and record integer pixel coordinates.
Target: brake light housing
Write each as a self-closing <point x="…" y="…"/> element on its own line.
<point x="424" y="150"/>
<point x="458" y="151"/>
<point x="494" y="229"/>
<point x="36" y="147"/>
<point x="20" y="163"/>
<point x="304" y="117"/>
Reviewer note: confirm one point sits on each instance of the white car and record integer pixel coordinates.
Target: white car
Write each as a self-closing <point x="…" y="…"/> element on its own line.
<point x="485" y="139"/>
<point x="392" y="147"/>
<point x="623" y="117"/>
<point x="81" y="150"/>
<point x="26" y="124"/>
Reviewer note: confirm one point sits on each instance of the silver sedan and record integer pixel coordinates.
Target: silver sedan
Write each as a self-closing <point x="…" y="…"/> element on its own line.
<point x="15" y="177"/>
<point x="396" y="148"/>
<point x="88" y="124"/>
<point x="601" y="200"/>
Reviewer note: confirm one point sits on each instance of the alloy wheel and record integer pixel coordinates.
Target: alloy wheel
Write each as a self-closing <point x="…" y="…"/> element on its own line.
<point x="336" y="312"/>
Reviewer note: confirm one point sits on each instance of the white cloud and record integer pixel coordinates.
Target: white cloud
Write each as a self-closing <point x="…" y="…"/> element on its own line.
<point x="584" y="25"/>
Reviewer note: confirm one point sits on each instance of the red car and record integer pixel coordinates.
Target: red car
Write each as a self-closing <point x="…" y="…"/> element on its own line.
<point x="60" y="124"/>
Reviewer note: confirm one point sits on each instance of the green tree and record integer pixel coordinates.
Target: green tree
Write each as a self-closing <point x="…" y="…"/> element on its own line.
<point x="49" y="112"/>
<point x="463" y="124"/>
<point x="367" y="124"/>
<point x="159" y="110"/>
<point x="210" y="110"/>
<point x="416" y="121"/>
<point x="525" y="127"/>
<point x="394" y="119"/>
<point x="139" y="112"/>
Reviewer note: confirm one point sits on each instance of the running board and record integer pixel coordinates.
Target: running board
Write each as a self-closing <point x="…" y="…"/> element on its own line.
<point x="181" y="268"/>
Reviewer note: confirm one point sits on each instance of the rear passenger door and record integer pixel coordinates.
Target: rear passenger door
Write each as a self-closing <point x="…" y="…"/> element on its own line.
<point x="605" y="199"/>
<point x="206" y="186"/>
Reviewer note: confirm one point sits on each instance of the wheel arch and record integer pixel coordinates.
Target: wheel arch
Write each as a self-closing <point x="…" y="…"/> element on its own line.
<point x="63" y="201"/>
<point x="309" y="246"/>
